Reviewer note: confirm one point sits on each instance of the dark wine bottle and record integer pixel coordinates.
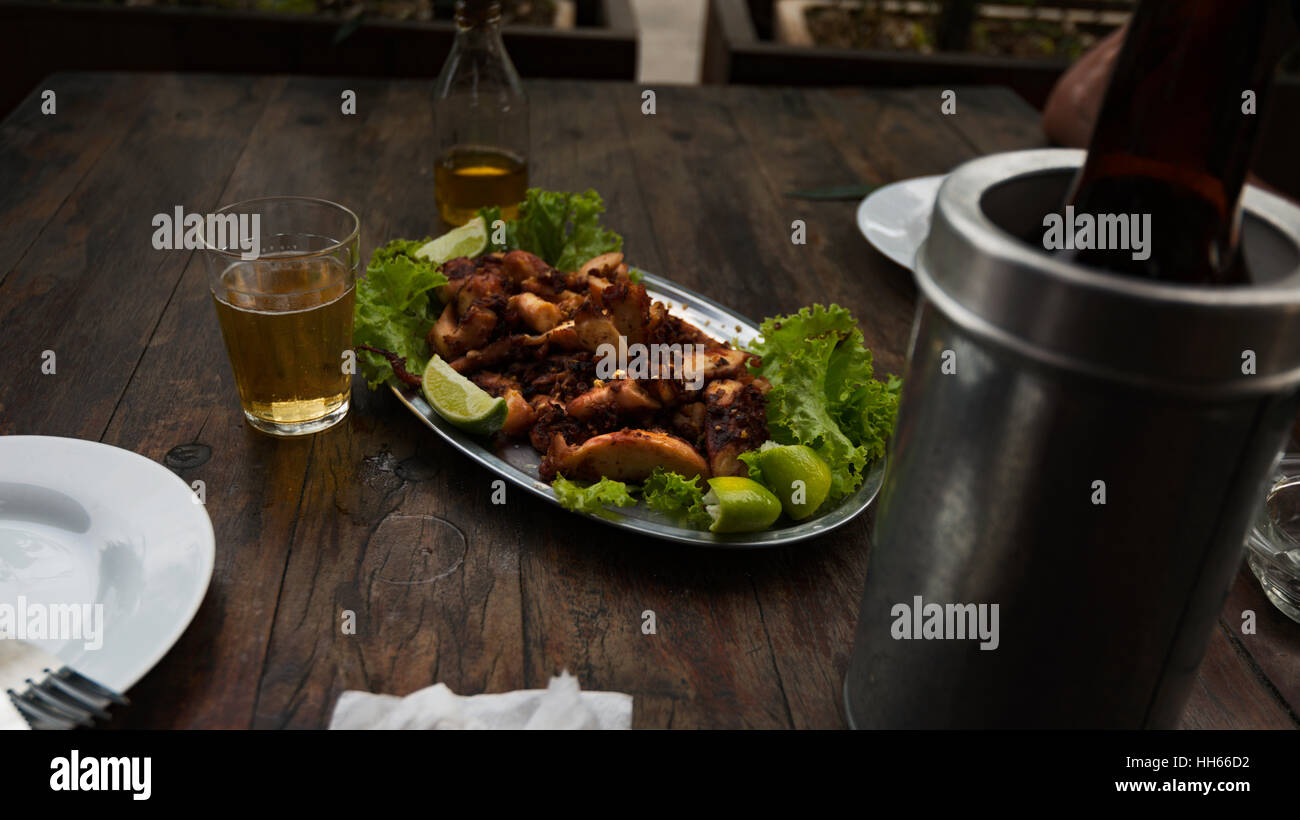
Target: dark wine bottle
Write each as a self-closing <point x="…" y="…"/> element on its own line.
<point x="1177" y="131"/>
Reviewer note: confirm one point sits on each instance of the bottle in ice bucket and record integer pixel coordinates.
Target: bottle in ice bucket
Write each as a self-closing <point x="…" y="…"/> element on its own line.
<point x="1177" y="131"/>
<point x="1065" y="505"/>
<point x="480" y="120"/>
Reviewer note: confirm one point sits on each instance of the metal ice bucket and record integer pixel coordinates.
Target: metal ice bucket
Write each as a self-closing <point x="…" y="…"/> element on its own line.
<point x="1084" y="451"/>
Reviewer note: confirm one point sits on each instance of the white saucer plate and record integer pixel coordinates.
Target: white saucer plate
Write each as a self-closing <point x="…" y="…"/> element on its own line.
<point x="87" y="525"/>
<point x="896" y="218"/>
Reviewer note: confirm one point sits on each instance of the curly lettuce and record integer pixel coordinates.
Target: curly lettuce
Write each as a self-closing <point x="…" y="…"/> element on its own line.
<point x="824" y="393"/>
<point x="395" y="309"/>
<point x="591" y="498"/>
<point x="561" y="227"/>
<point x="668" y="492"/>
<point x="676" y="495"/>
<point x="752" y="460"/>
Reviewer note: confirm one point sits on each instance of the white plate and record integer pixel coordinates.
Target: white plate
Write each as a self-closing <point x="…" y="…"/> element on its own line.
<point x="896" y="218"/>
<point x="85" y="523"/>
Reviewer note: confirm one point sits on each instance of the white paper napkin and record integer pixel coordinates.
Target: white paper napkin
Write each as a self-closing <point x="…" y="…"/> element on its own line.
<point x="561" y="705"/>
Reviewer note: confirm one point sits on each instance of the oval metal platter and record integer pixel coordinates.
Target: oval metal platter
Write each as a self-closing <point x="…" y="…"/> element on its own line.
<point x="518" y="462"/>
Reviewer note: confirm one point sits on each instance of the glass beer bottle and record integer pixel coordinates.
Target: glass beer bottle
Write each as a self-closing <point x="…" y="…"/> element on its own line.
<point x="480" y="119"/>
<point x="1176" y="132"/>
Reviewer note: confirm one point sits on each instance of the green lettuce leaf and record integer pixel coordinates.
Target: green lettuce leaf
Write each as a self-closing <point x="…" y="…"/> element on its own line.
<point x="824" y="393"/>
<point x="750" y="459"/>
<point x="395" y="309"/>
<point x="869" y="413"/>
<point x="511" y="243"/>
<point x="591" y="498"/>
<point x="562" y="228"/>
<point x="676" y="495"/>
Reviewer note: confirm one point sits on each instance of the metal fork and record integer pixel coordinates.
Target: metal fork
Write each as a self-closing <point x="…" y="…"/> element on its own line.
<point x="64" y="700"/>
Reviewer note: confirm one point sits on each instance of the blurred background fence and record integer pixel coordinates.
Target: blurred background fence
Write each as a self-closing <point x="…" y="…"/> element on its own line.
<point x="592" y="39"/>
<point x="1022" y="44"/>
<point x="1019" y="43"/>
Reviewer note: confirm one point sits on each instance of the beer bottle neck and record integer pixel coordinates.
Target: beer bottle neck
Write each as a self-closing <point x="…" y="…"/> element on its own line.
<point x="477" y="14"/>
<point x="1187" y="81"/>
<point x="1178" y="125"/>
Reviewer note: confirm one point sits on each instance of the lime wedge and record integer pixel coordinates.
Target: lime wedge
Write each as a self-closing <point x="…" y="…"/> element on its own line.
<point x="797" y="476"/>
<point x="460" y="401"/>
<point x="469" y="239"/>
<point x="740" y="505"/>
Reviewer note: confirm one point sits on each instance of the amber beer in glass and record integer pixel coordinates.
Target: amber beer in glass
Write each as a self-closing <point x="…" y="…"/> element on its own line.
<point x="1177" y="130"/>
<point x="286" y="316"/>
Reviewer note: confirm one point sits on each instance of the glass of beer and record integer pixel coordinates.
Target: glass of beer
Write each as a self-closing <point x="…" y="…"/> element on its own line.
<point x="282" y="270"/>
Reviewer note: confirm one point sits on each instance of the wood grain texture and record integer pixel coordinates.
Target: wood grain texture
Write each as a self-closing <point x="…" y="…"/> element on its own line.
<point x="1227" y="695"/>
<point x="48" y="155"/>
<point x="387" y="529"/>
<point x="1273" y="648"/>
<point x="376" y="516"/>
<point x="91" y="287"/>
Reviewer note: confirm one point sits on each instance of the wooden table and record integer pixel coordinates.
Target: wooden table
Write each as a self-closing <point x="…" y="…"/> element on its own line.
<point x="309" y="528"/>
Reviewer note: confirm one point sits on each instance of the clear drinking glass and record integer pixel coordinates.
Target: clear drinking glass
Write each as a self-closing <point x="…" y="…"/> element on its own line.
<point x="1273" y="545"/>
<point x="286" y="315"/>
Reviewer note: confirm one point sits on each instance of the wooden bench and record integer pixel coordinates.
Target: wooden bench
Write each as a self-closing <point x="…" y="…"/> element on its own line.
<point x="40" y="38"/>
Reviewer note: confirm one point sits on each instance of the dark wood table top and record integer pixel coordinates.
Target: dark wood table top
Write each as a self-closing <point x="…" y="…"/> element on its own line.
<point x="309" y="528"/>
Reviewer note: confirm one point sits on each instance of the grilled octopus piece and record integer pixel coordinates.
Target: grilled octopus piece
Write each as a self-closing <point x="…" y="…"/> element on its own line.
<point x="628" y="305"/>
<point x="399" y="365"/>
<point x="664" y="328"/>
<point x="521" y="266"/>
<point x="461" y="271"/>
<point x="452" y="336"/>
<point x="736" y="422"/>
<point x="614" y="397"/>
<point x="597" y="273"/>
<point x="520" y="415"/>
<point x="625" y="455"/>
<point x="532" y="311"/>
<point x="594" y="327"/>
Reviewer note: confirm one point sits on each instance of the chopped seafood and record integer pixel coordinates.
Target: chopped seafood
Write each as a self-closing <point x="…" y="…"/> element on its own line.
<point x="524" y="331"/>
